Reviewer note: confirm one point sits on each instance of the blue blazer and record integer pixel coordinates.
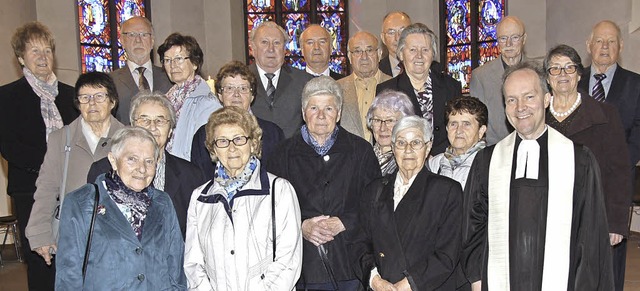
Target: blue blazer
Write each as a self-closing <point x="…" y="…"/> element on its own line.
<point x="118" y="260"/>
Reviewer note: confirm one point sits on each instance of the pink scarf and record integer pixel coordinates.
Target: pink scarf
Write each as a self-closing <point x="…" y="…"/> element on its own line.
<point x="47" y="91"/>
<point x="178" y="93"/>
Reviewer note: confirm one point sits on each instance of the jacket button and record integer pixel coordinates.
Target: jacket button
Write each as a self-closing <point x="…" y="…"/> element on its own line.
<point x="233" y="252"/>
<point x="138" y="250"/>
<point x="437" y="128"/>
<point x="140" y="277"/>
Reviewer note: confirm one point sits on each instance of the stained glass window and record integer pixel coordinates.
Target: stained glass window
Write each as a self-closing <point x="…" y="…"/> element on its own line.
<point x="469" y="35"/>
<point x="294" y="16"/>
<point x="98" y="23"/>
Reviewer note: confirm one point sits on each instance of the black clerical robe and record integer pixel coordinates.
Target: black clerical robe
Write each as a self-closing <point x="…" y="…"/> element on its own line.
<point x="589" y="257"/>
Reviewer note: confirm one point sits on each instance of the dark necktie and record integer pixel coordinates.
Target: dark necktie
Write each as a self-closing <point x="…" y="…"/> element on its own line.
<point x="143" y="84"/>
<point x="598" y="89"/>
<point x="271" y="90"/>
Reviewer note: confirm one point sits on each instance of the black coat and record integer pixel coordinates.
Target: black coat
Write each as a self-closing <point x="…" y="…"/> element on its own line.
<point x="181" y="178"/>
<point x="22" y="130"/>
<point x="272" y="135"/>
<point x="327" y="185"/>
<point x="624" y="94"/>
<point x="421" y="240"/>
<point x="444" y="88"/>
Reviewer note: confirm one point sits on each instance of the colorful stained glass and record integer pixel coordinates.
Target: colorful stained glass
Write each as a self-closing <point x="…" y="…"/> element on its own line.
<point x="490" y="12"/>
<point x="334" y="23"/>
<point x="458" y="20"/>
<point x="338" y="64"/>
<point x="294" y="24"/>
<point x="331" y="5"/>
<point x="96" y="59"/>
<point x="295" y="5"/>
<point x="260" y="6"/>
<point x="488" y="52"/>
<point x="93" y="22"/>
<point x="296" y="62"/>
<point x="459" y="64"/>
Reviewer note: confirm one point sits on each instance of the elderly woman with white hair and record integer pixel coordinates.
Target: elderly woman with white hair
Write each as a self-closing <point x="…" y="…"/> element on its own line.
<point x="329" y="168"/>
<point x="386" y="109"/>
<point x="121" y="233"/>
<point x="409" y="232"/>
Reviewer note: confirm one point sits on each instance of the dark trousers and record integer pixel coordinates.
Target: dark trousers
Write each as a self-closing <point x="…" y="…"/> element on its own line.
<point x="619" y="254"/>
<point x="40" y="276"/>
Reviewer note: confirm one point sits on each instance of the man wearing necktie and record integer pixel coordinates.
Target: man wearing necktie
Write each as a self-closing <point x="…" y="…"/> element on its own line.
<point x="607" y="81"/>
<point x="534" y="215"/>
<point x="137" y="38"/>
<point x="280" y="86"/>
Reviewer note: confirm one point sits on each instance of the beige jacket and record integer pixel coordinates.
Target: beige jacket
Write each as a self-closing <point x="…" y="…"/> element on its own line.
<point x="351" y="115"/>
<point x="39" y="229"/>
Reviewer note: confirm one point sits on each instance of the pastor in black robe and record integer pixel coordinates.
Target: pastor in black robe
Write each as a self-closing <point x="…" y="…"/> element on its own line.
<point x="589" y="257"/>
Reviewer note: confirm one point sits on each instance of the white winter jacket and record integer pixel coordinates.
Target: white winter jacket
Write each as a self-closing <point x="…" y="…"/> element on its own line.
<point x="229" y="243"/>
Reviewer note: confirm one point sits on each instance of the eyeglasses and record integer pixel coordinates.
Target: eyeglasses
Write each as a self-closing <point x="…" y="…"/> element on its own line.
<point x="145" y="121"/>
<point x="393" y="32"/>
<point x="379" y="122"/>
<point x="176" y="60"/>
<point x="415" y="144"/>
<point x="133" y="35"/>
<point x="237" y="141"/>
<point x="236" y="89"/>
<point x="98" y="98"/>
<point x="369" y="51"/>
<point x="568" y="69"/>
<point x="455" y="125"/>
<point x="514" y="38"/>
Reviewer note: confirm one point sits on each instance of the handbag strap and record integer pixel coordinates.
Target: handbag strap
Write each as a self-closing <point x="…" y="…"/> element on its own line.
<point x="93" y="222"/>
<point x="273" y="215"/>
<point x="67" y="151"/>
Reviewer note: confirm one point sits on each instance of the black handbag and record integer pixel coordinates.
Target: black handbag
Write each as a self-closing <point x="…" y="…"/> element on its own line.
<point x="93" y="222"/>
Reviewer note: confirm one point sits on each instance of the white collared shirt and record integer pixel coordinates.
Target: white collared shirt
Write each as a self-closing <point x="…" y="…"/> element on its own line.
<point x="148" y="73"/>
<point x="395" y="69"/>
<point x="326" y="72"/>
<point x="92" y="138"/>
<point x="265" y="81"/>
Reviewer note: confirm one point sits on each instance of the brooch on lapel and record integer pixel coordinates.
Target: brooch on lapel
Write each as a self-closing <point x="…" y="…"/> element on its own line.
<point x="101" y="210"/>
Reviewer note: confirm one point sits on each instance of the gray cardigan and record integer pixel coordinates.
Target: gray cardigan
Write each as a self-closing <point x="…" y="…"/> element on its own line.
<point x="39" y="229"/>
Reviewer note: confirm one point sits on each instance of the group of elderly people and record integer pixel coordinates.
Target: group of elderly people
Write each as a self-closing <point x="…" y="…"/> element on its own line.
<point x="122" y="207"/>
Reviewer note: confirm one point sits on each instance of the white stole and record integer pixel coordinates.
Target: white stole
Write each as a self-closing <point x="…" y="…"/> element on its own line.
<point x="555" y="274"/>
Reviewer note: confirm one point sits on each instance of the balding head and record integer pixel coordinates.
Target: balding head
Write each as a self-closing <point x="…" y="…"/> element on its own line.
<point x="315" y="42"/>
<point x="137" y="39"/>
<point x="392" y="25"/>
<point x="604" y="45"/>
<point x="511" y="39"/>
<point x="364" y="54"/>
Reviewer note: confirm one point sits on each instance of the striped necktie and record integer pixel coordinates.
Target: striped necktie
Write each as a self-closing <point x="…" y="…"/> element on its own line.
<point x="143" y="84"/>
<point x="271" y="90"/>
<point x="598" y="90"/>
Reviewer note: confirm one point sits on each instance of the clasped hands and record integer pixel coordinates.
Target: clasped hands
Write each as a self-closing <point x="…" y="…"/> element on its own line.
<point x="321" y="229"/>
<point x="379" y="284"/>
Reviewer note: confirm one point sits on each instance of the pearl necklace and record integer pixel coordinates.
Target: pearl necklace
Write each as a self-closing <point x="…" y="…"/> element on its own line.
<point x="566" y="113"/>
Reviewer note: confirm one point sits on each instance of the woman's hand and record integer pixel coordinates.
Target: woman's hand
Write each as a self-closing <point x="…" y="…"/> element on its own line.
<point x="615" y="238"/>
<point x="379" y="284"/>
<point x="403" y="285"/>
<point x="46" y="252"/>
<point x="476" y="286"/>
<point x="333" y="224"/>
<point x="315" y="232"/>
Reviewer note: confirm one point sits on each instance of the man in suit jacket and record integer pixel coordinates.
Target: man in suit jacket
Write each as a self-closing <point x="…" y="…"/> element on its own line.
<point x="283" y="106"/>
<point x="392" y="25"/>
<point x="175" y="176"/>
<point x="486" y="81"/>
<point x="315" y="42"/>
<point x="359" y="87"/>
<point x="137" y="40"/>
<point x="621" y="89"/>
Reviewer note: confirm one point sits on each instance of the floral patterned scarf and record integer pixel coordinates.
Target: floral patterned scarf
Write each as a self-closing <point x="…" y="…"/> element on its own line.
<point x="133" y="205"/>
<point x="232" y="184"/>
<point x="178" y="93"/>
<point x="47" y="91"/>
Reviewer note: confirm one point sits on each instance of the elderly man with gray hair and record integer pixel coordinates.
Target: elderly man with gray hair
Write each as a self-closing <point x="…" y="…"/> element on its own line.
<point x="177" y="177"/>
<point x="424" y="80"/>
<point x="329" y="168"/>
<point x="279" y="86"/>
